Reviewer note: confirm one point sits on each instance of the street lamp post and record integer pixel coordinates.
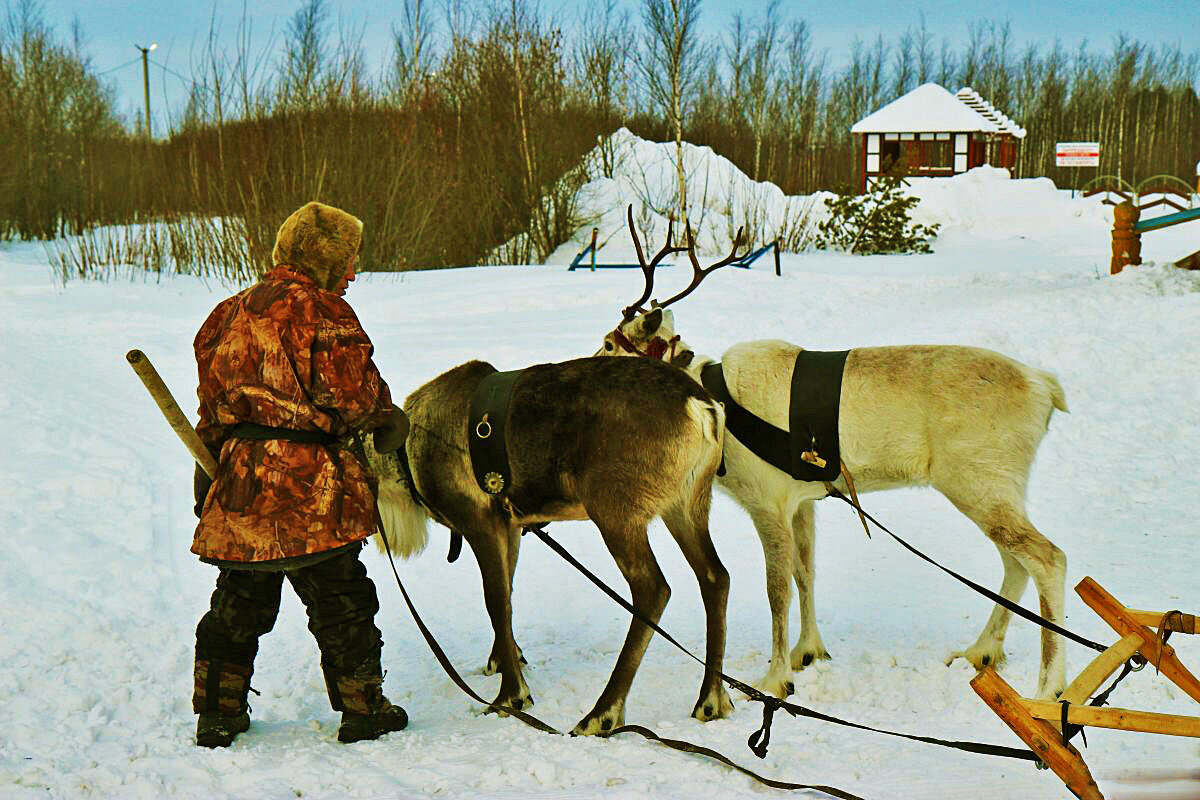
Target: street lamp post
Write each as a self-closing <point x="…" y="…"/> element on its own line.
<point x="146" y="80"/>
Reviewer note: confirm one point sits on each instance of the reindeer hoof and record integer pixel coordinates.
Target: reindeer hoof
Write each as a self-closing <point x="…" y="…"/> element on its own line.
<point x="596" y="724"/>
<point x="781" y="686"/>
<point x="805" y="658"/>
<point x="710" y="708"/>
<point x="979" y="657"/>
<point x="519" y="703"/>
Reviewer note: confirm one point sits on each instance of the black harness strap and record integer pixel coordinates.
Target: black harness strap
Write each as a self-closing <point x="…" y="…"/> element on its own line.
<point x="812" y="417"/>
<point x="813" y="414"/>
<point x="759" y="436"/>
<point x="759" y="739"/>
<point x="486" y="431"/>
<point x="983" y="590"/>
<point x="688" y="747"/>
<point x="534" y="722"/>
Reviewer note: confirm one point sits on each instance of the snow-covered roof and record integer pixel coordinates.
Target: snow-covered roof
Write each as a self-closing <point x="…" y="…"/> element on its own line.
<point x="929" y="108"/>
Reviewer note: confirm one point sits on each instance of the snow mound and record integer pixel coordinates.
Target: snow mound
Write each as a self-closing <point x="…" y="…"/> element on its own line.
<point x="987" y="202"/>
<point x="642" y="174"/>
<point x="984" y="203"/>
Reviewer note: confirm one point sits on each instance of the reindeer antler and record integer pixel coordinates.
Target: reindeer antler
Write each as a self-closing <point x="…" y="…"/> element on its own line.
<point x="699" y="274"/>
<point x="647" y="269"/>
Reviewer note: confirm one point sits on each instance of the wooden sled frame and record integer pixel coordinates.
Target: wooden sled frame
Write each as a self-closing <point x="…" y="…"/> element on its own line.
<point x="1037" y="722"/>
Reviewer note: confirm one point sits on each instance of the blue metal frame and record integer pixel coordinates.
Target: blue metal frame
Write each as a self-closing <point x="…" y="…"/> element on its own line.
<point x="1154" y="223"/>
<point x="582" y="253"/>
<point x="744" y="262"/>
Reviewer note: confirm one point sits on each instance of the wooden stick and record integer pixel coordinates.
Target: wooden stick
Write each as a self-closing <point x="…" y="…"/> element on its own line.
<point x="1039" y="735"/>
<point x="1098" y="671"/>
<point x="1159" y="654"/>
<point x="1121" y="719"/>
<point x="1184" y="623"/>
<point x="170" y="409"/>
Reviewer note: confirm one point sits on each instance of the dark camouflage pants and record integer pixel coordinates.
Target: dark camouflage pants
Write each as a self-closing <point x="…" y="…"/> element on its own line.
<point x="341" y="604"/>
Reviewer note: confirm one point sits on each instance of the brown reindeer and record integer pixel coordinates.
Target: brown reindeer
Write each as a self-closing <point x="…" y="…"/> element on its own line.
<point x="963" y="420"/>
<point x="616" y="441"/>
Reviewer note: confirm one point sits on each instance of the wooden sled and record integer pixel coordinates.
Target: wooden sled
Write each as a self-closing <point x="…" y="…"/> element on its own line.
<point x="1037" y="722"/>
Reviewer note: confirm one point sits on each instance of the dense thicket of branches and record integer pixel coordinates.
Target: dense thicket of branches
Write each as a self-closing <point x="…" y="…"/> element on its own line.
<point x="55" y="120"/>
<point x="473" y="135"/>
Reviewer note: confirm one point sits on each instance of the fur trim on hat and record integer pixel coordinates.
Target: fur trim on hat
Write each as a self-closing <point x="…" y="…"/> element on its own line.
<point x="319" y="241"/>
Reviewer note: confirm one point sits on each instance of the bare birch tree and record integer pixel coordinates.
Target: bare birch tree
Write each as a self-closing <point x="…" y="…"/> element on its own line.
<point x="668" y="62"/>
<point x="304" y="54"/>
<point x="762" y="80"/>
<point x="411" y="49"/>
<point x="601" y="64"/>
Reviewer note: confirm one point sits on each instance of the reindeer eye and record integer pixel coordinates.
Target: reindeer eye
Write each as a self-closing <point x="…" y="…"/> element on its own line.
<point x="608" y="345"/>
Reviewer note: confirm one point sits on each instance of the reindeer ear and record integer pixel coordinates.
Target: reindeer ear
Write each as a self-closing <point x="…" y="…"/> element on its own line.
<point x="668" y="318"/>
<point x="683" y="359"/>
<point x="651" y="322"/>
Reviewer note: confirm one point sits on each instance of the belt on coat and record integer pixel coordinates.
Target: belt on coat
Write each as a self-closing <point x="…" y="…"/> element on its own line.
<point x="252" y="430"/>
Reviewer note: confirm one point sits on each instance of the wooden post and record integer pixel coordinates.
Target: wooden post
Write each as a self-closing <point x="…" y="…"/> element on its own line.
<point x="595" y="233"/>
<point x="777" y="271"/>
<point x="1126" y="242"/>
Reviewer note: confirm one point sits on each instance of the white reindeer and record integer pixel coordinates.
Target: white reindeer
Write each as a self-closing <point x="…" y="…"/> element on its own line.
<point x="964" y="420"/>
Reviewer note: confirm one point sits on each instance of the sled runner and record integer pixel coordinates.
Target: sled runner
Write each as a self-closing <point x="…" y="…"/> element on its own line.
<point x="1046" y="726"/>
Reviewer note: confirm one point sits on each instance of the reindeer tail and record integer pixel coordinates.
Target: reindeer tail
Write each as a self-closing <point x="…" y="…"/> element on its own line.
<point x="1057" y="396"/>
<point x="405" y="522"/>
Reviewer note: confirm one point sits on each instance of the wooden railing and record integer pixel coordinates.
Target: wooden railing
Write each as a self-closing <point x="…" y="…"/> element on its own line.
<point x="1127" y="235"/>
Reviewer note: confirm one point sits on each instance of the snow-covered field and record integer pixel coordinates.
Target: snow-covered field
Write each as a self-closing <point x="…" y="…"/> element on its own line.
<point x="101" y="596"/>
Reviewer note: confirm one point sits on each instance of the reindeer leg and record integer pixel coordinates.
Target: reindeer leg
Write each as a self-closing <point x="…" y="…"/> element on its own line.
<point x="809" y="646"/>
<point x="1024" y="551"/>
<point x="491" y="552"/>
<point x="690" y="530"/>
<point x="649" y="592"/>
<point x="1047" y="565"/>
<point x="776" y="538"/>
<point x="514" y="547"/>
<point x="988" y="649"/>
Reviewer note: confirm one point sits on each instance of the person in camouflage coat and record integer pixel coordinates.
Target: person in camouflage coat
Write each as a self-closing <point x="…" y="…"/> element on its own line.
<point x="286" y="381"/>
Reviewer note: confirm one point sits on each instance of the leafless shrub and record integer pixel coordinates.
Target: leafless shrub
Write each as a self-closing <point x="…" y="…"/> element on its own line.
<point x="798" y="228"/>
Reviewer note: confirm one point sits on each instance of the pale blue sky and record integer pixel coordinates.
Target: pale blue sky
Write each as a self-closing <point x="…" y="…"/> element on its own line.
<point x="113" y="27"/>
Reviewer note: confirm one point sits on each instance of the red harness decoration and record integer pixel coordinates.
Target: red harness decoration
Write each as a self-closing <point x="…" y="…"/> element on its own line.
<point x="656" y="348"/>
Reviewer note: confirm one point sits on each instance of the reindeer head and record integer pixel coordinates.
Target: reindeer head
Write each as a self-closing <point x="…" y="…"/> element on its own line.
<point x="651" y="333"/>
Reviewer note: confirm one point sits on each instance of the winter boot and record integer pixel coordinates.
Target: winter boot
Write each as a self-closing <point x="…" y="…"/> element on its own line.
<point x="366" y="712"/>
<point x="219" y="698"/>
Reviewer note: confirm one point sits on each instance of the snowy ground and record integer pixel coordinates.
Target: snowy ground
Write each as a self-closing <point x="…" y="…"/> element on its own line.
<point x="101" y="595"/>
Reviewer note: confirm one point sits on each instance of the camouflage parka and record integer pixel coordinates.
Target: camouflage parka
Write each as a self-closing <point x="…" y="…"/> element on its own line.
<point x="287" y="354"/>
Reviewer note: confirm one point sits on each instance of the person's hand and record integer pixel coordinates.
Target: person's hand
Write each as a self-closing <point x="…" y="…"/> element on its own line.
<point x="200" y="486"/>
<point x="390" y="436"/>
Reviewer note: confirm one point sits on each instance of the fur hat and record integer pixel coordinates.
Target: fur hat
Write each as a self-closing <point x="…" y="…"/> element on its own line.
<point x="319" y="241"/>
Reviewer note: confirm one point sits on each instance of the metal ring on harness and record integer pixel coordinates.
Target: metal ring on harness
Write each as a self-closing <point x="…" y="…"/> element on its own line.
<point x="484" y="429"/>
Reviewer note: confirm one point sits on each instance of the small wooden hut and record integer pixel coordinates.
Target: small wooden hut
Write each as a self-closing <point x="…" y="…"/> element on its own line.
<point x="935" y="133"/>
